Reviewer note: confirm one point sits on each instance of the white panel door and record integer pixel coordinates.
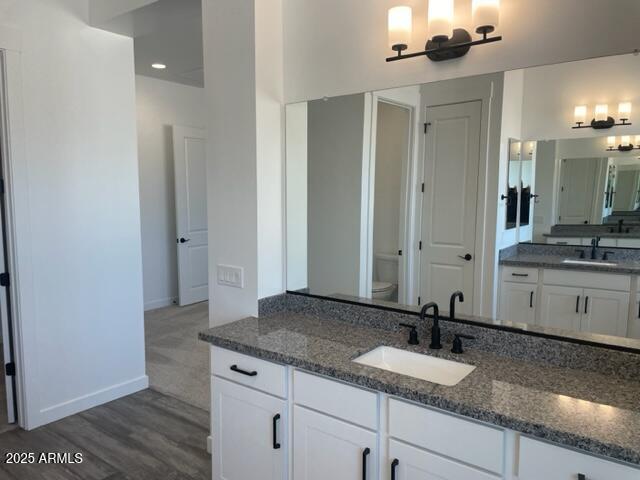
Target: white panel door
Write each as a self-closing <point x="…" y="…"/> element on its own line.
<point x="452" y="156"/>
<point x="410" y="463"/>
<point x="327" y="448"/>
<point x="561" y="307"/>
<point x="249" y="433"/>
<point x="518" y="302"/>
<point x="578" y="183"/>
<point x="605" y="312"/>
<point x="189" y="146"/>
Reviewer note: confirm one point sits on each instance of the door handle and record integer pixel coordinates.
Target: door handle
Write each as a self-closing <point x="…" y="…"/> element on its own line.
<point x="276" y="445"/>
<point x="365" y="454"/>
<point x="394" y="468"/>
<point x="184" y="240"/>
<point x="235" y="368"/>
<point x="467" y="257"/>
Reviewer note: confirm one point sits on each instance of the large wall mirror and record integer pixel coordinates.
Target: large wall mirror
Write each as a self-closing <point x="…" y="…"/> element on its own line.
<point x="401" y="197"/>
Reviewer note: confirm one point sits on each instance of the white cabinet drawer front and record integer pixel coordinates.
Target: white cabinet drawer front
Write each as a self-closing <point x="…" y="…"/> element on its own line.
<point x="587" y="280"/>
<point x="249" y="433"/>
<point x="467" y="441"/>
<point x="540" y="460"/>
<point x="250" y="371"/>
<point x="412" y="463"/>
<point x="337" y="399"/>
<point x="520" y="275"/>
<point x="325" y="448"/>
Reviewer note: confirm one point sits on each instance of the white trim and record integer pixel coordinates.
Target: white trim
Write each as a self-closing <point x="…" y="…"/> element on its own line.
<point x="209" y="444"/>
<point x="366" y="201"/>
<point x="76" y="405"/>
<point x="160" y="303"/>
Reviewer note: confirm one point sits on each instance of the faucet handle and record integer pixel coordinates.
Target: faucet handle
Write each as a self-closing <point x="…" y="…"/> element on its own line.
<point x="413" y="334"/>
<point x="605" y="255"/>
<point x="457" y="342"/>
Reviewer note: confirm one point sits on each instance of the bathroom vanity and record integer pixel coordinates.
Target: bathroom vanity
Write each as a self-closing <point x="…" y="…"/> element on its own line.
<point x="288" y="400"/>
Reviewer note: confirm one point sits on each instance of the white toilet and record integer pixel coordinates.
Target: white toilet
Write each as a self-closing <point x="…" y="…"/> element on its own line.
<point x="385" y="283"/>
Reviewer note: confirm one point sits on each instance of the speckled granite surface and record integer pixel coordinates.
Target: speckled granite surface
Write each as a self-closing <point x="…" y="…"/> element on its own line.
<point x="598" y="413"/>
<point x="629" y="230"/>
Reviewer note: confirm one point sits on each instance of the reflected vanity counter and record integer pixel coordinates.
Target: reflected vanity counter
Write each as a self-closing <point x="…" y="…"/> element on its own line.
<point x="577" y="396"/>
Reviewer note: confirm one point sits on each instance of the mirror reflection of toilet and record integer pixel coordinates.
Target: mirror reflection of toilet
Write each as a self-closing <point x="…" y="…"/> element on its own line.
<point x="385" y="278"/>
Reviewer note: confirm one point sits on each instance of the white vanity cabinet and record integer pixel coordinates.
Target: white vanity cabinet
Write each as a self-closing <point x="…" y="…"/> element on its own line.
<point x="539" y="460"/>
<point x="569" y="300"/>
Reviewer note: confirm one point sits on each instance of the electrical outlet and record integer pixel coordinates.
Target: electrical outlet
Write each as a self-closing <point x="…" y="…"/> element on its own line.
<point x="231" y="276"/>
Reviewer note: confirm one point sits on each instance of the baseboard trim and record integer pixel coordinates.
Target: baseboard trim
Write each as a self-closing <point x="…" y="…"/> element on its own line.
<point x="77" y="405"/>
<point x="161" y="303"/>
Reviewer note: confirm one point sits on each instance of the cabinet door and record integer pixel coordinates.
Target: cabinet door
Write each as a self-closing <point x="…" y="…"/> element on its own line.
<point x="249" y="439"/>
<point x="518" y="302"/>
<point x="327" y="448"/>
<point x="561" y="307"/>
<point x="605" y="312"/>
<point x="410" y="463"/>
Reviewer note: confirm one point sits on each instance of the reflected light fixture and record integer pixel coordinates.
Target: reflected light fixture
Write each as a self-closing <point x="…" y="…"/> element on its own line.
<point x="625" y="144"/>
<point x="158" y="66"/>
<point x="445" y="42"/>
<point x="601" y="118"/>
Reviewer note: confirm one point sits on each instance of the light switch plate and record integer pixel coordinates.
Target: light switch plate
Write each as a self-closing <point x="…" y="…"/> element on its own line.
<point x="231" y="276"/>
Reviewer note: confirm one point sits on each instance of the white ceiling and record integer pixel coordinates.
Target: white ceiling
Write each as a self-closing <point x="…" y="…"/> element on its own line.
<point x="168" y="32"/>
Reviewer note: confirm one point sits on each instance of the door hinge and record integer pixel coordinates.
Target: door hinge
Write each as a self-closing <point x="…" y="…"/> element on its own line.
<point x="422" y="188"/>
<point x="4" y="279"/>
<point x="426" y="127"/>
<point x="399" y="253"/>
<point x="419" y="300"/>
<point x="10" y="369"/>
<point x="420" y="245"/>
<point x="1" y="186"/>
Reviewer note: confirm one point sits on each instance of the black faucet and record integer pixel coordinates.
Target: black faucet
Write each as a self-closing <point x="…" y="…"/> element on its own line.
<point x="435" y="330"/>
<point x="595" y="242"/>
<point x="620" y="223"/>
<point x="452" y="304"/>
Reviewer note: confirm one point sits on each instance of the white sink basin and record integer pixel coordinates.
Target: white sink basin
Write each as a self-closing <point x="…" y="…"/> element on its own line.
<point x="424" y="367"/>
<point x="589" y="262"/>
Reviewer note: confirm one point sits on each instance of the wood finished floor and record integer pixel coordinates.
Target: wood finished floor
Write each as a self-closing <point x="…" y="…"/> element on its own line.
<point x="147" y="435"/>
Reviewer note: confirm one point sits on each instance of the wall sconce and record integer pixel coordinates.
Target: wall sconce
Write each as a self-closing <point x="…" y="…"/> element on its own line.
<point x="625" y="144"/>
<point x="446" y="42"/>
<point x="601" y="118"/>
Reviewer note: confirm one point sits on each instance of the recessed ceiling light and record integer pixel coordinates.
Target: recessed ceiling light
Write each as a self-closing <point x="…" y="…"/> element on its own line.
<point x="158" y="66"/>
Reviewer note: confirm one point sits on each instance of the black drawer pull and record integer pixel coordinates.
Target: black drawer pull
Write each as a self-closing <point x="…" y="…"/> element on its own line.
<point x="578" y="304"/>
<point x="394" y="467"/>
<point x="365" y="454"/>
<point x="243" y="372"/>
<point x="586" y="304"/>
<point x="519" y="274"/>
<point x="531" y="300"/>
<point x="276" y="445"/>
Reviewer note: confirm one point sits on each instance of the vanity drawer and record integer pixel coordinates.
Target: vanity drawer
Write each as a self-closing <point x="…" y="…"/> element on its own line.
<point x="464" y="440"/>
<point x="542" y="460"/>
<point x="520" y="275"/>
<point x="608" y="281"/>
<point x="250" y="371"/>
<point x="337" y="399"/>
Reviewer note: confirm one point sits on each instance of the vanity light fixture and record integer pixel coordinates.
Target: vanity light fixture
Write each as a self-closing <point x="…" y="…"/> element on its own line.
<point x="445" y="42"/>
<point x="625" y="144"/>
<point x="158" y="66"/>
<point x="601" y="118"/>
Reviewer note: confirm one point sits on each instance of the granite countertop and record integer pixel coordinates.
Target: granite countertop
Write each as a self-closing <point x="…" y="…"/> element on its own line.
<point x="627" y="267"/>
<point x="593" y="412"/>
<point x="587" y="234"/>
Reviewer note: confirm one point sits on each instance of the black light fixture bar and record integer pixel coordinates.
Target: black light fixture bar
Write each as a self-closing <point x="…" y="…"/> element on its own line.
<point x="623" y="148"/>
<point x="462" y="47"/>
<point x="603" y="124"/>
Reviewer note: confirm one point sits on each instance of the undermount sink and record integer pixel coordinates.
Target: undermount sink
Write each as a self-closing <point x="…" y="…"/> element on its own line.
<point x="424" y="367"/>
<point x="601" y="263"/>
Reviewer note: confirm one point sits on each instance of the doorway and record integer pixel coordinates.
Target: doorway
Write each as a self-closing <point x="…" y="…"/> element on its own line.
<point x="449" y="202"/>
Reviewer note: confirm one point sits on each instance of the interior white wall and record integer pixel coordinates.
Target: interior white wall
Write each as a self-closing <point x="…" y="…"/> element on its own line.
<point x="75" y="204"/>
<point x="336" y="47"/>
<point x="546" y="183"/>
<point x="159" y="106"/>
<point x="335" y="157"/>
<point x="296" y="193"/>
<point x="593" y="147"/>
<point x="552" y="92"/>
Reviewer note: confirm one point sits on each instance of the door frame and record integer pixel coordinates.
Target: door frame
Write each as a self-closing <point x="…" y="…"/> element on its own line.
<point x="407" y="194"/>
<point x="488" y="90"/>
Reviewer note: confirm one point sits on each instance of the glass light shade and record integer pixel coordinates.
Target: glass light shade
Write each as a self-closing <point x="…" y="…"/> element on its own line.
<point x="486" y="13"/>
<point x="601" y="113"/>
<point x="580" y="114"/>
<point x="440" y="20"/>
<point x="611" y="142"/>
<point x="624" y="110"/>
<point x="625" y="140"/>
<point x="400" y="26"/>
<point x="637" y="144"/>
